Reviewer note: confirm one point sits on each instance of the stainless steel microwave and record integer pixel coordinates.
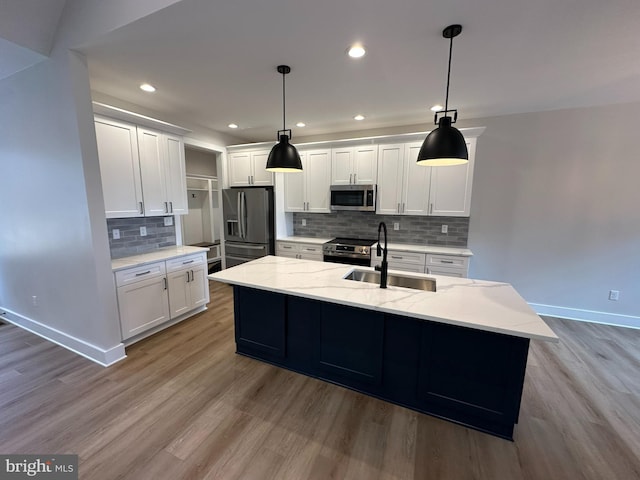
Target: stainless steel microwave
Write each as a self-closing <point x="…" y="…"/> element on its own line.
<point x="361" y="198"/>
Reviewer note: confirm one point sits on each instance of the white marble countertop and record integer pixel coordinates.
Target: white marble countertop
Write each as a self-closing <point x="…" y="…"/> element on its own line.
<point x="159" y="255"/>
<point x="314" y="240"/>
<point x="491" y="306"/>
<point x="404" y="247"/>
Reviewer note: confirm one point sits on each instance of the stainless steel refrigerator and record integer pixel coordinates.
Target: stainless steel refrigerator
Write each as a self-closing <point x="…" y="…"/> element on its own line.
<point x="248" y="223"/>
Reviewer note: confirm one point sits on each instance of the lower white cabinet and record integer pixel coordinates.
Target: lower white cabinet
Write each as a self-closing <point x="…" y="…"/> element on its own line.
<point x="304" y="251"/>
<point x="450" y="265"/>
<point x="153" y="294"/>
<point x="432" y="263"/>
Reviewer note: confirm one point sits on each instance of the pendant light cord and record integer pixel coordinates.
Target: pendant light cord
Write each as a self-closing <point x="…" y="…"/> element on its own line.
<point x="284" y="122"/>
<point x="446" y="101"/>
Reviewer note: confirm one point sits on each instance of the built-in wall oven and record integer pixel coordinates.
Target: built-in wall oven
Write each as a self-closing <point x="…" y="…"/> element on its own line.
<point x="352" y="251"/>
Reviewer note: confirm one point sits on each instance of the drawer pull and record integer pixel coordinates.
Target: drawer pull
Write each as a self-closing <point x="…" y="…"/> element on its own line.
<point x="190" y="261"/>
<point x="286" y="246"/>
<point x="143" y="273"/>
<point x="446" y="261"/>
<point x="396" y="257"/>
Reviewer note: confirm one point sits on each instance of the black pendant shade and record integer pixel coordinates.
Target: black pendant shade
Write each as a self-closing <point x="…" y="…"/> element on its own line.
<point x="283" y="156"/>
<point x="445" y="145"/>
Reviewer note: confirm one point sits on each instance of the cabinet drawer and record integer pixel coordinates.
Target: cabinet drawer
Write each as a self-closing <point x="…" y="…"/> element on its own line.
<point x="287" y="247"/>
<point x="406" y="267"/>
<point x="310" y="249"/>
<point x="137" y="274"/>
<point x="447" y="261"/>
<point x="394" y="256"/>
<point x="447" y="271"/>
<point x="187" y="261"/>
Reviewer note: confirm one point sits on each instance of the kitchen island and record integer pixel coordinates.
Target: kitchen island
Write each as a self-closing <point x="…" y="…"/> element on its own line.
<point x="458" y="353"/>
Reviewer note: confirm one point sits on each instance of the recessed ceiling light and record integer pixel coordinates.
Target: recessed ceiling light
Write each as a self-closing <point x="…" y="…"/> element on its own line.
<point x="301" y="124"/>
<point x="147" y="87"/>
<point x="232" y="125"/>
<point x="437" y="108"/>
<point x="359" y="117"/>
<point x="356" y="51"/>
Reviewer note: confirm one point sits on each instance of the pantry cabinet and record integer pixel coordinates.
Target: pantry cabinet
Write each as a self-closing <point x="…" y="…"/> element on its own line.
<point x="247" y="169"/>
<point x="143" y="170"/>
<point x="308" y="191"/>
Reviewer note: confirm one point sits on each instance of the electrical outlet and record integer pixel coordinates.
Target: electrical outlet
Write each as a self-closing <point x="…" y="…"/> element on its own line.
<point x="614" y="295"/>
<point x="116" y="233"/>
<point x="396" y="225"/>
<point x="304" y="222"/>
<point x="168" y="221"/>
<point x="445" y="228"/>
<point x="34" y="300"/>
<point x="143" y="231"/>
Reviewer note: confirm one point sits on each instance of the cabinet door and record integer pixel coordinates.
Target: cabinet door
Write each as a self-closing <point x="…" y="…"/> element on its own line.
<point x="179" y="298"/>
<point x="450" y="193"/>
<point x="119" y="168"/>
<point x="390" y="175"/>
<point x="152" y="168"/>
<point x="198" y="287"/>
<point x="175" y="175"/>
<point x="261" y="176"/>
<point x="415" y="199"/>
<point x="365" y="165"/>
<point x="341" y="166"/>
<point x="294" y="199"/>
<point x="142" y="305"/>
<point x="239" y="169"/>
<point x="317" y="171"/>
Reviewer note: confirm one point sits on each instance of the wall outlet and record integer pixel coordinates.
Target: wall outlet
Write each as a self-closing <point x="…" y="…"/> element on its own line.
<point x="445" y="228"/>
<point x="168" y="221"/>
<point x="143" y="231"/>
<point x="614" y="295"/>
<point x="34" y="300"/>
<point x="304" y="222"/>
<point x="396" y="225"/>
<point x="116" y="233"/>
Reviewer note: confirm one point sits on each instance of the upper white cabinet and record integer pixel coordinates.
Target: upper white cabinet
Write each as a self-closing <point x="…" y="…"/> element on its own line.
<point x="308" y="191"/>
<point x="406" y="188"/>
<point x="354" y="165"/>
<point x="249" y="169"/>
<point x="143" y="171"/>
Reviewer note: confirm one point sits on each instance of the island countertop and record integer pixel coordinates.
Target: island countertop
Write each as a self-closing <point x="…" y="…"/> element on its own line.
<point x="479" y="304"/>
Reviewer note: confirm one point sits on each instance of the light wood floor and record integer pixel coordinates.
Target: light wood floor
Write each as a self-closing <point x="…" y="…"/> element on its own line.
<point x="184" y="405"/>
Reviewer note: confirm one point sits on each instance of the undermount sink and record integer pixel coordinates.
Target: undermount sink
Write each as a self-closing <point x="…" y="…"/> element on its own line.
<point x="393" y="279"/>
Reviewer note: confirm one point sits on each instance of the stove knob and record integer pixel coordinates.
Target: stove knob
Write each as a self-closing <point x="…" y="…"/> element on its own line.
<point x="364" y="250"/>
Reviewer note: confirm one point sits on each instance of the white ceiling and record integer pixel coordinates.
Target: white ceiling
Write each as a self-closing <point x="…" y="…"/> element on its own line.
<point x="214" y="62"/>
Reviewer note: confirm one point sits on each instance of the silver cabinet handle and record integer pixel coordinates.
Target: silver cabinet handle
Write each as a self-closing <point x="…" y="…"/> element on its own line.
<point x="166" y="207"/>
<point x="188" y="262"/>
<point x="141" y="208"/>
<point x="396" y="258"/>
<point x="286" y="246"/>
<point x="171" y="206"/>
<point x="192" y="275"/>
<point x="428" y="270"/>
<point x="249" y="179"/>
<point x="164" y="280"/>
<point x="350" y="178"/>
<point x="253" y="180"/>
<point x="403" y="208"/>
<point x="398" y="208"/>
<point x="188" y="276"/>
<point x="143" y="273"/>
<point x="354" y="177"/>
<point x="446" y="261"/>
<point x="430" y="208"/>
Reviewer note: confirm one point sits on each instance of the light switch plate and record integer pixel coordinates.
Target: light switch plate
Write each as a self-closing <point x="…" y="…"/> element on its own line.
<point x="143" y="231"/>
<point x="168" y="221"/>
<point x="396" y="225"/>
<point x="304" y="222"/>
<point x="445" y="228"/>
<point x="116" y="233"/>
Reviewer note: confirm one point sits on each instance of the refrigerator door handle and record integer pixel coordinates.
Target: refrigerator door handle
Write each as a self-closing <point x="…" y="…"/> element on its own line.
<point x="244" y="215"/>
<point x="239" y="203"/>
<point x="248" y="247"/>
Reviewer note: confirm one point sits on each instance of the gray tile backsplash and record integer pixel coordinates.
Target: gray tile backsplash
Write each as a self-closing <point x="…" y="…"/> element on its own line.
<point x="130" y="241"/>
<point x="413" y="229"/>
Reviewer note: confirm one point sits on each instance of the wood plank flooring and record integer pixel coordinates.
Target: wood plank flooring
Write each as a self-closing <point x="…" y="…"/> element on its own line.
<point x="183" y="405"/>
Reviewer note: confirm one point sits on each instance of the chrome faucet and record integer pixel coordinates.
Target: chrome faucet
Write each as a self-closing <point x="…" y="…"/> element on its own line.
<point x="384" y="266"/>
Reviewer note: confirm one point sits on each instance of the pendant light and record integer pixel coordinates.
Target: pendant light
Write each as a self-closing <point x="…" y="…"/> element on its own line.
<point x="445" y="145"/>
<point x="284" y="157"/>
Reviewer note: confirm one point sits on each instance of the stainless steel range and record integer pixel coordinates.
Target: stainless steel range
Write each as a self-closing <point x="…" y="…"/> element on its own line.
<point x="352" y="251"/>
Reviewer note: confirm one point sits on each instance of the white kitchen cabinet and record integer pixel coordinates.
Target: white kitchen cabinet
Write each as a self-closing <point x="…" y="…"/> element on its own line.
<point x="433" y="263"/>
<point x="142" y="298"/>
<point x="153" y="294"/>
<point x="187" y="284"/>
<point x="143" y="170"/>
<point x="120" y="168"/>
<point x="404" y="261"/>
<point x="249" y="169"/>
<point x="450" y="265"/>
<point x="305" y="251"/>
<point x="354" y="165"/>
<point x="309" y="191"/>
<point x="406" y="188"/>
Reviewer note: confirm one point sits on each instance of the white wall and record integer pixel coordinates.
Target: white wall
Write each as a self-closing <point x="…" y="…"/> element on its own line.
<point x="53" y="237"/>
<point x="555" y="210"/>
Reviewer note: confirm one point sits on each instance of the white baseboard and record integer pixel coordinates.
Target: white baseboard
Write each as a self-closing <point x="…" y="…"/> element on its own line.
<point x="92" y="352"/>
<point x="587" y="315"/>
